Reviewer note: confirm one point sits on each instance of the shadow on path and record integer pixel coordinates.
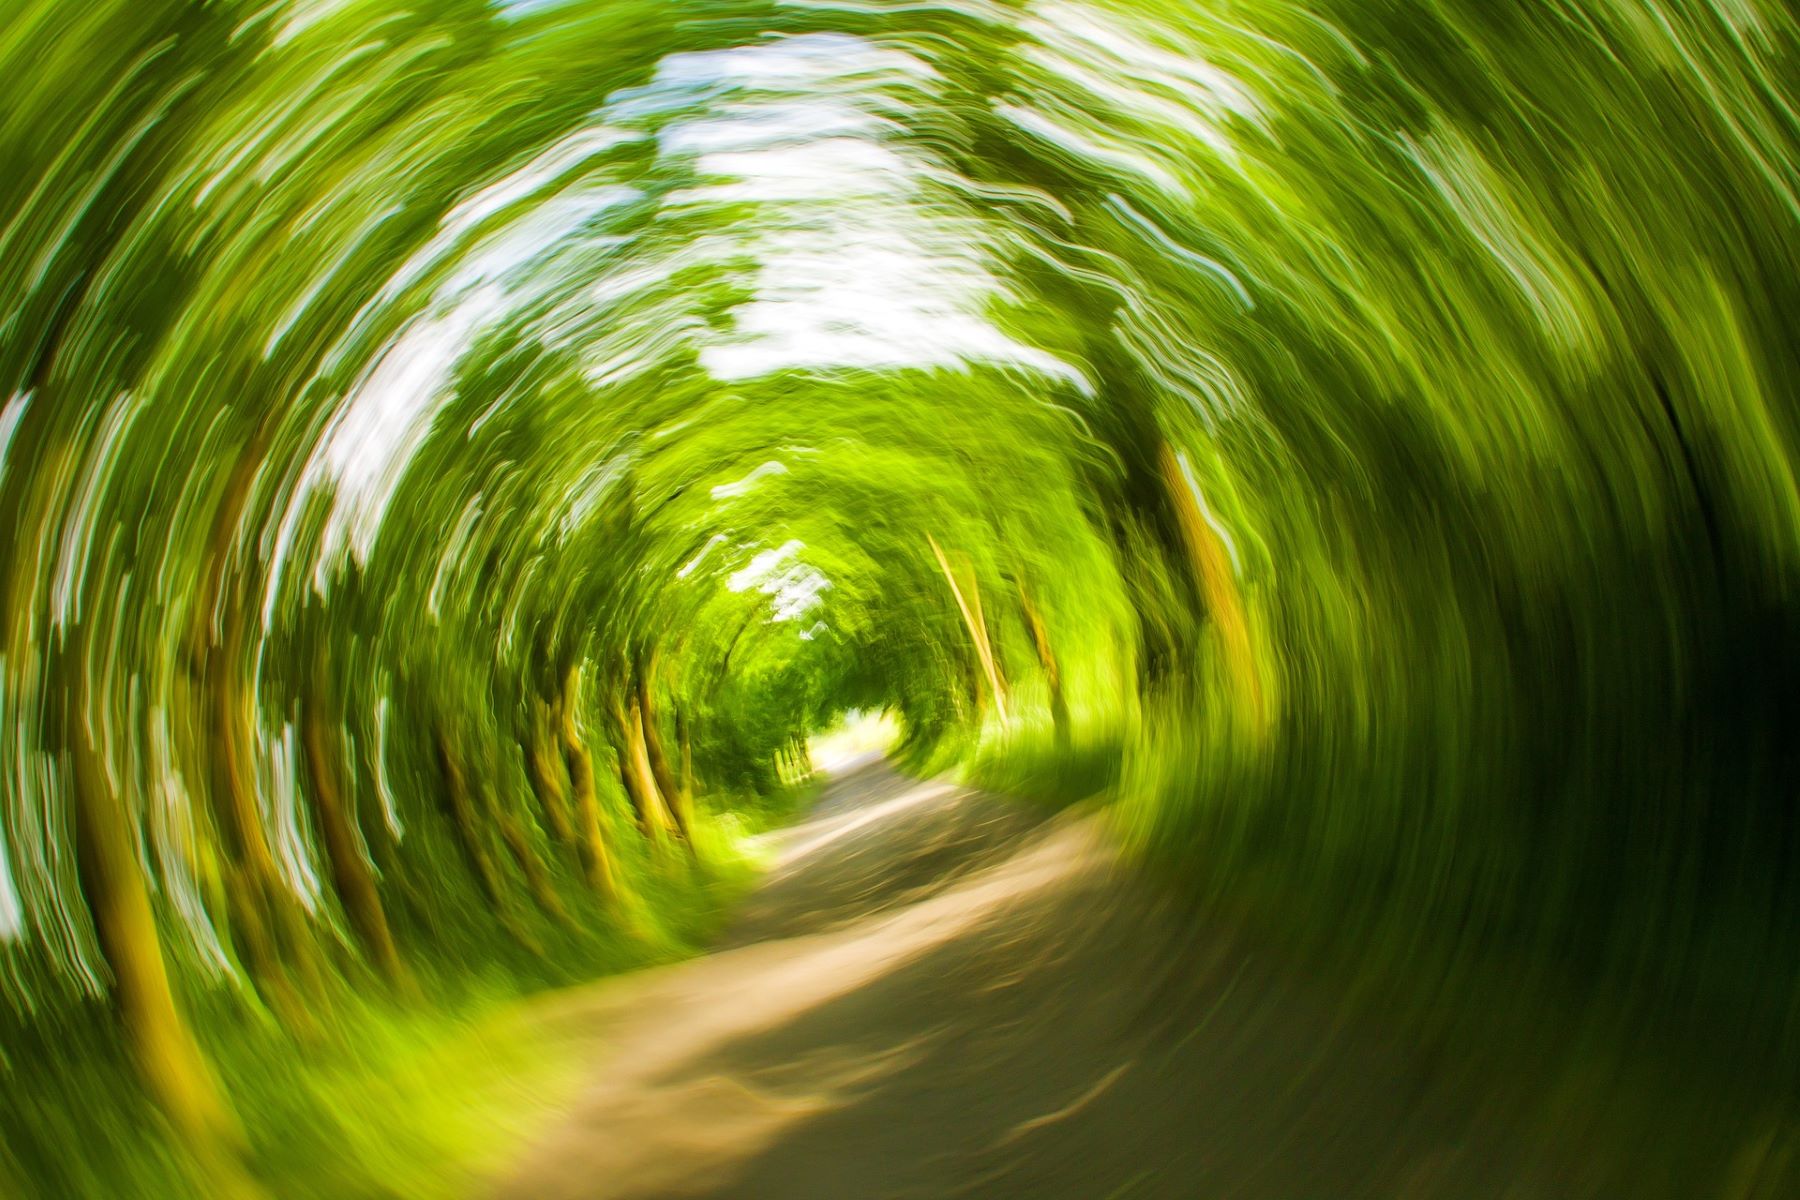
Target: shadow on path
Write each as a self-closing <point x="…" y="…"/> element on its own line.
<point x="939" y="993"/>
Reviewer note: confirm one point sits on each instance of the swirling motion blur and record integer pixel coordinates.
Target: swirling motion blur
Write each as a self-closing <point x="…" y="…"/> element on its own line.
<point x="453" y="455"/>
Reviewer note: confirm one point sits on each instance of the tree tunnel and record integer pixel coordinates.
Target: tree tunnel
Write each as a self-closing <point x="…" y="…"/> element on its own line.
<point x="454" y="455"/>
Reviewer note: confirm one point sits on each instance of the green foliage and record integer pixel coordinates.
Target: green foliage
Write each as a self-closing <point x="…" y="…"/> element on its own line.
<point x="1358" y="440"/>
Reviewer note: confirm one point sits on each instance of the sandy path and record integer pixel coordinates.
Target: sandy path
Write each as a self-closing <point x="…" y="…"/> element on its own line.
<point x="942" y="993"/>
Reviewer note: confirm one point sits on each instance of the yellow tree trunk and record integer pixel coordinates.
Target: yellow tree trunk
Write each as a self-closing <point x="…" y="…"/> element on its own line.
<point x="666" y="783"/>
<point x="590" y="844"/>
<point x="543" y="762"/>
<point x="170" y="1062"/>
<point x="634" y="771"/>
<point x="971" y="615"/>
<point x="1212" y="572"/>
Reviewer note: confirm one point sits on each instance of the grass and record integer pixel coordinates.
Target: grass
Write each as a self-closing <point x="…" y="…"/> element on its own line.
<point x="1032" y="763"/>
<point x="390" y="1099"/>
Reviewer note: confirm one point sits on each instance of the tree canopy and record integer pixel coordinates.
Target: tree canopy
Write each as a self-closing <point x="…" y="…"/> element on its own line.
<point x="452" y="456"/>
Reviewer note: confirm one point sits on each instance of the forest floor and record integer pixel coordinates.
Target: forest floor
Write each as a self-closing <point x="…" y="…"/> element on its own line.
<point x="940" y="992"/>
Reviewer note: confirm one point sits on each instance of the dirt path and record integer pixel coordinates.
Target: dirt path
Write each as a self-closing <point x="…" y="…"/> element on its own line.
<point x="941" y="993"/>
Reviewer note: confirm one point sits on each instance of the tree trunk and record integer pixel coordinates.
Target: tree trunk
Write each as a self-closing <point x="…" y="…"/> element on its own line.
<point x="543" y="894"/>
<point x="1212" y="572"/>
<point x="465" y="820"/>
<point x="238" y="895"/>
<point x="267" y="920"/>
<point x="543" y="762"/>
<point x="634" y="771"/>
<point x="654" y="802"/>
<point x="351" y="874"/>
<point x="1046" y="655"/>
<point x="590" y="845"/>
<point x="683" y="737"/>
<point x="977" y="629"/>
<point x="462" y="817"/>
<point x="996" y="676"/>
<point x="168" y="1059"/>
<point x="658" y="761"/>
